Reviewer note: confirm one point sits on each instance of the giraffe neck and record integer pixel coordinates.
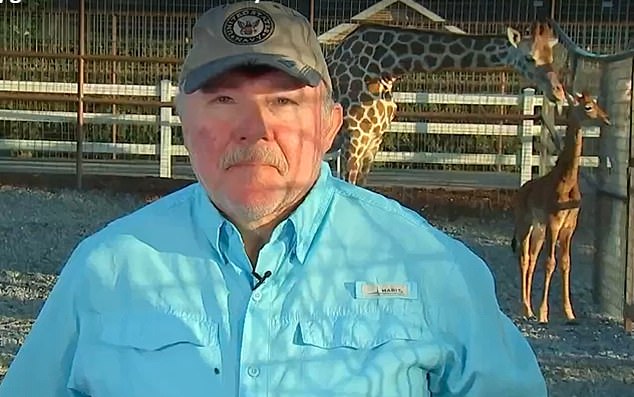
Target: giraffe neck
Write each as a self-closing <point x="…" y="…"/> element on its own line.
<point x="568" y="161"/>
<point x="386" y="50"/>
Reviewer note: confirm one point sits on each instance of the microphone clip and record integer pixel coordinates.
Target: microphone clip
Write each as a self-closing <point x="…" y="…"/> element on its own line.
<point x="260" y="279"/>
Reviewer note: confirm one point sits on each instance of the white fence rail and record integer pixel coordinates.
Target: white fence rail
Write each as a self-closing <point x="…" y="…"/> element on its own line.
<point x="165" y="120"/>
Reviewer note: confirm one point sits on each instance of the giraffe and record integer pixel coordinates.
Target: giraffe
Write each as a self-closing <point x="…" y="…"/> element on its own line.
<point x="547" y="208"/>
<point x="367" y="63"/>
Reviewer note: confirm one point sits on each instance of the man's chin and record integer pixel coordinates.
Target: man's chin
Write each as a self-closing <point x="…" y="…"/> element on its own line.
<point x="249" y="196"/>
<point x="252" y="207"/>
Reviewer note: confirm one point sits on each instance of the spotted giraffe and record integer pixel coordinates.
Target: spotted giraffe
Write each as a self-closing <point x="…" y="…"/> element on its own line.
<point x="366" y="64"/>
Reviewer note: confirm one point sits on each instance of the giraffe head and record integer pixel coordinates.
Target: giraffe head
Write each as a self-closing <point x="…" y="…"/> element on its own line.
<point x="534" y="55"/>
<point x="539" y="44"/>
<point x="587" y="110"/>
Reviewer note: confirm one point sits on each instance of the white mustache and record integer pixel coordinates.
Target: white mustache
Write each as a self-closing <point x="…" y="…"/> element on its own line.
<point x="260" y="155"/>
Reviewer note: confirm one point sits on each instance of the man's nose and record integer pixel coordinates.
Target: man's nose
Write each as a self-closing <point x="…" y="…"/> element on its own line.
<point x="255" y="123"/>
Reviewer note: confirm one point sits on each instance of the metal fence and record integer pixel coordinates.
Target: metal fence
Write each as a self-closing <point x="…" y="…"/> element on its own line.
<point x="172" y="157"/>
<point x="135" y="42"/>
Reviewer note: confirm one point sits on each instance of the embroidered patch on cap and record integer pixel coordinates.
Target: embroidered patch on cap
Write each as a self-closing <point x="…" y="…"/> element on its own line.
<point x="365" y="290"/>
<point x="248" y="26"/>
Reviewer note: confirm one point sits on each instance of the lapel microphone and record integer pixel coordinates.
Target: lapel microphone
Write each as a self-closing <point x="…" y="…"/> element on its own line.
<point x="260" y="279"/>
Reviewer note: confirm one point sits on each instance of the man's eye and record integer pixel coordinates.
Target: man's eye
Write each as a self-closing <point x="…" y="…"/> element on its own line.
<point x="222" y="99"/>
<point x="284" y="101"/>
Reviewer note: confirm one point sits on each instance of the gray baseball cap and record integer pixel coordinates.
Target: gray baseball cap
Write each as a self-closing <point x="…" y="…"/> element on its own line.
<point x="253" y="33"/>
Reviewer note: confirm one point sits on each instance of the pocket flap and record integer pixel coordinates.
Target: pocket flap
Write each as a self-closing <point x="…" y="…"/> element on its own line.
<point x="357" y="331"/>
<point x="153" y="330"/>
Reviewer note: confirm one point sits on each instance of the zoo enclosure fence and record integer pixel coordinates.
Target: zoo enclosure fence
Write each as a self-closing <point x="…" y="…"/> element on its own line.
<point x="138" y="42"/>
<point x="164" y="155"/>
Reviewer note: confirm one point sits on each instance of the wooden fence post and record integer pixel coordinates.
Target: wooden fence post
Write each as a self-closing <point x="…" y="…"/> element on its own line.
<point x="165" y="143"/>
<point x="628" y="305"/>
<point x="527" y="102"/>
<point x="548" y="113"/>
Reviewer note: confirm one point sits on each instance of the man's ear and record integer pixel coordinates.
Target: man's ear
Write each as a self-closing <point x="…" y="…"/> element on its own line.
<point x="332" y="126"/>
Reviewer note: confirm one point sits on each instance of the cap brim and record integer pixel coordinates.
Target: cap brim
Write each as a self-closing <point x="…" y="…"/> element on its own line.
<point x="199" y="76"/>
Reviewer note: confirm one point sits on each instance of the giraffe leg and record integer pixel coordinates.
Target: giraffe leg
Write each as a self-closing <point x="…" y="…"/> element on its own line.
<point x="553" y="233"/>
<point x="353" y="166"/>
<point x="368" y="158"/>
<point x="353" y="161"/>
<point x="565" y="239"/>
<point x="523" y="234"/>
<point x="366" y="166"/>
<point x="353" y="145"/>
<point x="385" y="112"/>
<point x="534" y="246"/>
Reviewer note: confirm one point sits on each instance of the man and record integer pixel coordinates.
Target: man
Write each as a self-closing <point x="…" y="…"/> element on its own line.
<point x="269" y="277"/>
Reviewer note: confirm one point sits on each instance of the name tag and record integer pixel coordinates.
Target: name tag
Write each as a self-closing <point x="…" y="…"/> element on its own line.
<point x="364" y="290"/>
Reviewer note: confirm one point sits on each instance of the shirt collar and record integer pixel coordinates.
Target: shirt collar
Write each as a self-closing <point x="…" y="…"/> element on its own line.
<point x="209" y="219"/>
<point x="309" y="215"/>
<point x="304" y="221"/>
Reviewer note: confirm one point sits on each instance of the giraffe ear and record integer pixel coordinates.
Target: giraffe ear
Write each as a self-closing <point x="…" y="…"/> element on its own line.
<point x="514" y="36"/>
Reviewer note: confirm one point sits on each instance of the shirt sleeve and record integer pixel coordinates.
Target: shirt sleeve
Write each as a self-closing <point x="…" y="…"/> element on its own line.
<point x="483" y="353"/>
<point x="42" y="365"/>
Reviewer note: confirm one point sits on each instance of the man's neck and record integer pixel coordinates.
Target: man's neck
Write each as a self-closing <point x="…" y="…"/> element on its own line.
<point x="256" y="233"/>
<point x="254" y="240"/>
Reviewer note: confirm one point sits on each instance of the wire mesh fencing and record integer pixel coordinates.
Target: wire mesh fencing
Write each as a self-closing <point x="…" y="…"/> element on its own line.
<point x="91" y="71"/>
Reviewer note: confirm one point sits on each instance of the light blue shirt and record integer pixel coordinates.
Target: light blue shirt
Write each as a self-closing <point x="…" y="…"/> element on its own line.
<point x="365" y="299"/>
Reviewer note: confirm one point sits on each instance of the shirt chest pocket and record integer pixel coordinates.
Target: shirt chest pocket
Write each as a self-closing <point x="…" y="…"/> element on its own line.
<point x="358" y="331"/>
<point x="148" y="353"/>
<point x="360" y="354"/>
<point x="156" y="352"/>
<point x="156" y="330"/>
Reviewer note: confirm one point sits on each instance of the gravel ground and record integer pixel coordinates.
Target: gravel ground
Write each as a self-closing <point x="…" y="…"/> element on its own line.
<point x="39" y="228"/>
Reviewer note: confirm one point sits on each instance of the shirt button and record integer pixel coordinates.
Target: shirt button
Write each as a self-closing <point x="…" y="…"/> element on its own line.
<point x="257" y="295"/>
<point x="253" y="372"/>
